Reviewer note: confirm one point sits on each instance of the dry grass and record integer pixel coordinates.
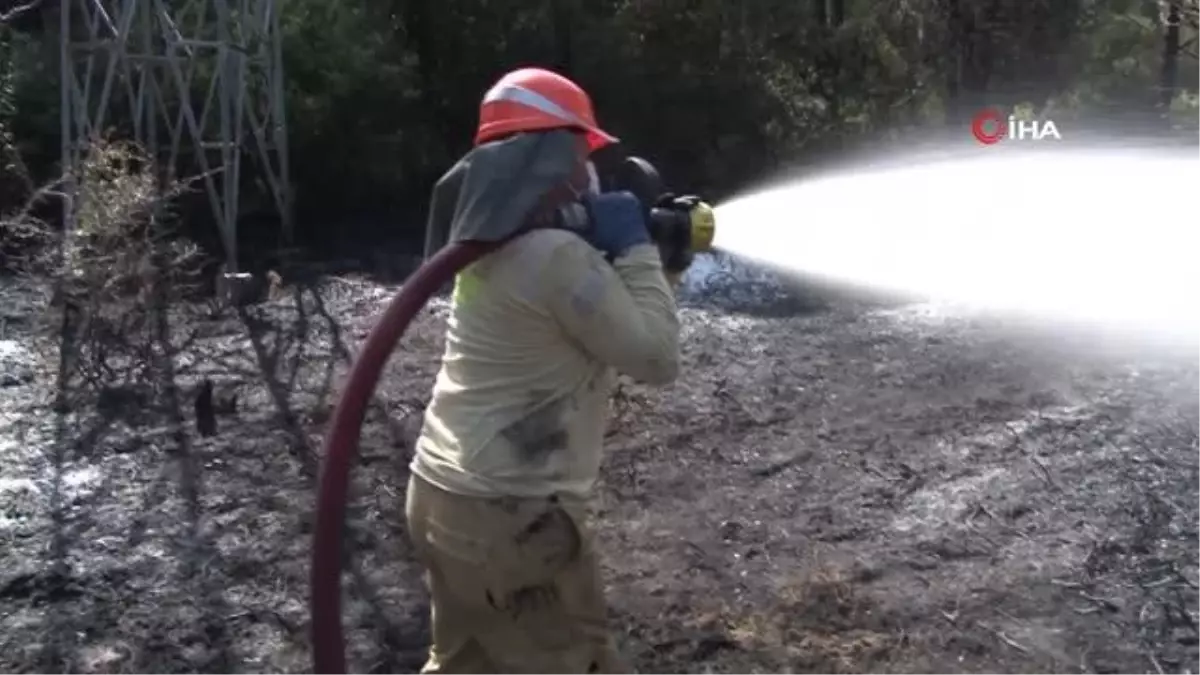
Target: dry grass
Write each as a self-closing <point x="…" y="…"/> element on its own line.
<point x="820" y="622"/>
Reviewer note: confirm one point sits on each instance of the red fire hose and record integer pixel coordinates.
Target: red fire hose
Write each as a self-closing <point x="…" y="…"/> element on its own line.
<point x="341" y="442"/>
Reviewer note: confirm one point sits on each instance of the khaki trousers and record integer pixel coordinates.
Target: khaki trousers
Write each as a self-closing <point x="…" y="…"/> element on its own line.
<point x="514" y="583"/>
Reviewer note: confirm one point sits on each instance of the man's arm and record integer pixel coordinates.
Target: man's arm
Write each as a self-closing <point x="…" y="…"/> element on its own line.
<point x="623" y="314"/>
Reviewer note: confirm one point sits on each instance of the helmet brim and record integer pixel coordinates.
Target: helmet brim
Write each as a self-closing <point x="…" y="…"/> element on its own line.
<point x="598" y="138"/>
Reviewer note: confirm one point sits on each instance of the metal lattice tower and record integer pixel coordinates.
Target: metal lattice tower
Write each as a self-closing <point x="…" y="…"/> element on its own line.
<point x="198" y="80"/>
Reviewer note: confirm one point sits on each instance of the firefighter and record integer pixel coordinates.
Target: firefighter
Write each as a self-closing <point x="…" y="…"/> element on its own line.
<point x="510" y="447"/>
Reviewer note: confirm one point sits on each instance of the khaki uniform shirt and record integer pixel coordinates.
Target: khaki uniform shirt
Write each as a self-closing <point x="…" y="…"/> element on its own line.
<point x="535" y="333"/>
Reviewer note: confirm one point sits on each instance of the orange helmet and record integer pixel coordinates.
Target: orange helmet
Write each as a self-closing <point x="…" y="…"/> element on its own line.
<point x="535" y="99"/>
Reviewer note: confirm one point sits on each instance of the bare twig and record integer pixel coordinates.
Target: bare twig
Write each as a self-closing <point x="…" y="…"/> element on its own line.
<point x="1154" y="662"/>
<point x="19" y="10"/>
<point x="1044" y="471"/>
<point x="1004" y="638"/>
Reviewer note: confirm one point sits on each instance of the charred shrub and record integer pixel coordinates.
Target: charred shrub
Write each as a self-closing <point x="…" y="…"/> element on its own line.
<point x="112" y="277"/>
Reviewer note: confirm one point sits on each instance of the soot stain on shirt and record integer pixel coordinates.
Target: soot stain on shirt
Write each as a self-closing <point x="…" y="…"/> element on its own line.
<point x="586" y="297"/>
<point x="537" y="435"/>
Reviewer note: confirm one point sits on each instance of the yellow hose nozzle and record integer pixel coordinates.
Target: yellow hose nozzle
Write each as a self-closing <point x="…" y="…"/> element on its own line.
<point x="704" y="227"/>
<point x="682" y="227"/>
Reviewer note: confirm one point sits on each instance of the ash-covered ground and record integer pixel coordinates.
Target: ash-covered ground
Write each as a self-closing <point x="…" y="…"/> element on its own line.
<point x="835" y="487"/>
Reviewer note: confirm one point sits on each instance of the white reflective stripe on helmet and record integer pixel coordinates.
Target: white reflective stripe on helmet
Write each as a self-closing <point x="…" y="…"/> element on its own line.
<point x="519" y="94"/>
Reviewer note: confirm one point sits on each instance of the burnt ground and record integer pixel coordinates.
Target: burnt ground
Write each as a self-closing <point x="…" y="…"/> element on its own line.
<point x="854" y="489"/>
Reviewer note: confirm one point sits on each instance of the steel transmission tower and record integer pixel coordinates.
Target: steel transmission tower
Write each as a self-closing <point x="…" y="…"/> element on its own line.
<point x="199" y="81"/>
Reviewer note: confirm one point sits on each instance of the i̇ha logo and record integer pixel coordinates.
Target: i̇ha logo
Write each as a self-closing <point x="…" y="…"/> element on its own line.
<point x="990" y="126"/>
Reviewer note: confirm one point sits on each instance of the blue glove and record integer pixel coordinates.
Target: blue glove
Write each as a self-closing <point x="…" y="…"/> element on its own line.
<point x="618" y="222"/>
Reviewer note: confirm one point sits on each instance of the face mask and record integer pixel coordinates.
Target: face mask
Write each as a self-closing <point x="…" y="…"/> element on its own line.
<point x="586" y="184"/>
<point x="572" y="215"/>
<point x="593" y="179"/>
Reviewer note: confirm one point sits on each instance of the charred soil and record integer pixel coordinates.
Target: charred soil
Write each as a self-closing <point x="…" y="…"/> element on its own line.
<point x="855" y="489"/>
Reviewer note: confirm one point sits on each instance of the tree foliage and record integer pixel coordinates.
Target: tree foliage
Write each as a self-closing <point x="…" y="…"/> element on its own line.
<point x="382" y="96"/>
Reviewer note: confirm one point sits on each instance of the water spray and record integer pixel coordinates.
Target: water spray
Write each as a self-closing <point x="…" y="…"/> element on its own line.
<point x="1100" y="239"/>
<point x="680" y="226"/>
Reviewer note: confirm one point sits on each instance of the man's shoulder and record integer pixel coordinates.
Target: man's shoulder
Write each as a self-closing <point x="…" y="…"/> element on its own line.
<point x="547" y="259"/>
<point x="552" y="243"/>
<point x="550" y="238"/>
